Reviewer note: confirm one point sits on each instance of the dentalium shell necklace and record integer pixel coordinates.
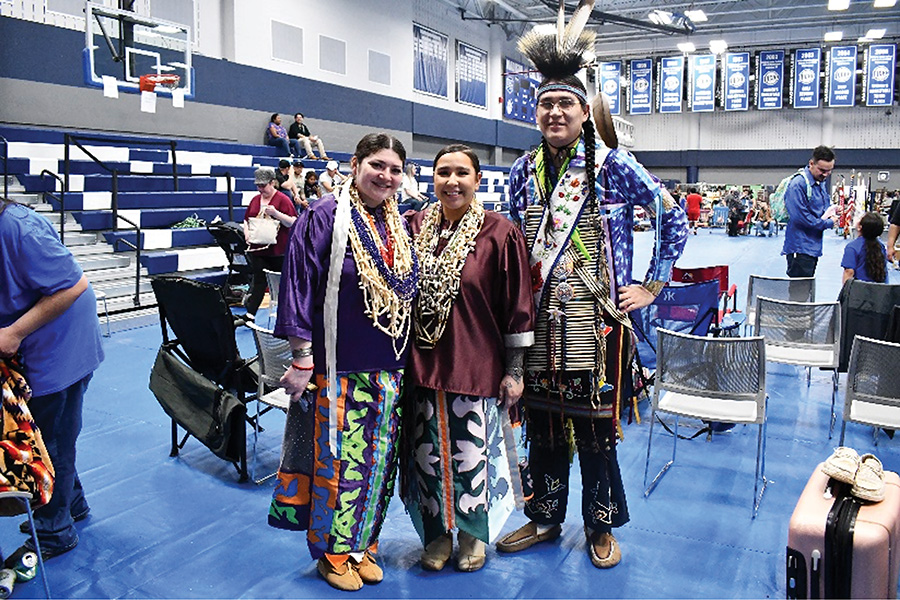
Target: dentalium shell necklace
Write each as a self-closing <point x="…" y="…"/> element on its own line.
<point x="388" y="290"/>
<point x="441" y="274"/>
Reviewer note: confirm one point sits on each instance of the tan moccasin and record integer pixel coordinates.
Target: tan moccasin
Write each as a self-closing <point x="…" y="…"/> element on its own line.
<point x="842" y="464"/>
<point x="527" y="536"/>
<point x="869" y="482"/>
<point x="341" y="577"/>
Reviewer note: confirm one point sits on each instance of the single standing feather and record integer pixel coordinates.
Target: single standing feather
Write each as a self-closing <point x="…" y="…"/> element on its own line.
<point x="577" y="23"/>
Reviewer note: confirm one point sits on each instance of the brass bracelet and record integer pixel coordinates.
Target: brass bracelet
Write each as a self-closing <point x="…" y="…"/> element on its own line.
<point x="654" y="287"/>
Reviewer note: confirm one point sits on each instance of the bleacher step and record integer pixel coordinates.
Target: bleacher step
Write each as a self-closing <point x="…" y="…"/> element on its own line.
<point x="125" y="272"/>
<point x="122" y="287"/>
<point x="80" y="239"/>
<point x="97" y="262"/>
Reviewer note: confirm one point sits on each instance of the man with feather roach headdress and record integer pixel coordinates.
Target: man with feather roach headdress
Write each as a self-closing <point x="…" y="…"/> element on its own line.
<point x="574" y="197"/>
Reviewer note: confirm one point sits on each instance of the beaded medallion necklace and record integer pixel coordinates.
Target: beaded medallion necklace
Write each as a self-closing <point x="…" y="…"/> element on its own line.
<point x="388" y="272"/>
<point x="441" y="274"/>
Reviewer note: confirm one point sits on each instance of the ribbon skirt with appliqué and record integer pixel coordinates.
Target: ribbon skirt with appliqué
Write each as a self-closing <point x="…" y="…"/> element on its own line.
<point x="340" y="498"/>
<point x="464" y="467"/>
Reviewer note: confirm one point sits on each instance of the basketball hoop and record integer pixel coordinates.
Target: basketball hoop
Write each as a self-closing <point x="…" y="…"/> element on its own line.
<point x="148" y="83"/>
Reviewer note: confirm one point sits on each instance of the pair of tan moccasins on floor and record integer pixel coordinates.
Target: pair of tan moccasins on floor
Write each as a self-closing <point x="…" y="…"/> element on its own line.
<point x="437" y="553"/>
<point x="350" y="575"/>
<point x="603" y="548"/>
<point x="865" y="473"/>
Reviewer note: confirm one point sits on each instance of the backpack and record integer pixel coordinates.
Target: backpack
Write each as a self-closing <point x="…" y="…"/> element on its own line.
<point x="776" y="200"/>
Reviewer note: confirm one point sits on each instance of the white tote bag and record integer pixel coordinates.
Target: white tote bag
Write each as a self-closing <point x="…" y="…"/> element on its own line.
<point x="263" y="231"/>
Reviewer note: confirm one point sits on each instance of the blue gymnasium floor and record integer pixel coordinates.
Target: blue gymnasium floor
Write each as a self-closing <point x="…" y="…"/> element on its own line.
<point x="183" y="527"/>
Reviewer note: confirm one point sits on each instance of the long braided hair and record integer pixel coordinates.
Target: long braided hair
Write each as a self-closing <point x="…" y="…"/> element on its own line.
<point x="871" y="226"/>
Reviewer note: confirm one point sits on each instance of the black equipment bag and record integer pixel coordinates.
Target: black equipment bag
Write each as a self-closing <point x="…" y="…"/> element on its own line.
<point x="210" y="413"/>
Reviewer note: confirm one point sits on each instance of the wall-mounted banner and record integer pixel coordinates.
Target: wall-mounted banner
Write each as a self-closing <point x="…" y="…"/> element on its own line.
<point x="671" y="80"/>
<point x="878" y="79"/>
<point x="640" y="90"/>
<point x="429" y="61"/>
<point x="736" y="78"/>
<point x="805" y="80"/>
<point x="702" y="95"/>
<point x="519" y="91"/>
<point x="841" y="83"/>
<point x="471" y="75"/>
<point x="770" y="80"/>
<point x="609" y="74"/>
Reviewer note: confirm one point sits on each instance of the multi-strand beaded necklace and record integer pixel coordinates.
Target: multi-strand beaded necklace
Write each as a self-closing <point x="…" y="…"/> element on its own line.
<point x="441" y="273"/>
<point x="388" y="270"/>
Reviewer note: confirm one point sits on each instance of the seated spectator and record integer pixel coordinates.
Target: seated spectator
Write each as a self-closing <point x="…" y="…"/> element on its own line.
<point x="735" y="213"/>
<point x="865" y="258"/>
<point x="763" y="222"/>
<point x="278" y="137"/>
<point x="409" y="189"/>
<point x="297" y="175"/>
<point x="331" y="178"/>
<point x="299" y="132"/>
<point x="311" y="187"/>
<point x="284" y="183"/>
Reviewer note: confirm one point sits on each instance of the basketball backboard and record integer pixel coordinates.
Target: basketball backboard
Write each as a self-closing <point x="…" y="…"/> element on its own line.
<point x="124" y="45"/>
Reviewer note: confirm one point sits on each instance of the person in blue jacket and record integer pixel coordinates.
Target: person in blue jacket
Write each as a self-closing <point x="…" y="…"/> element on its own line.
<point x="809" y="207"/>
<point x="48" y="315"/>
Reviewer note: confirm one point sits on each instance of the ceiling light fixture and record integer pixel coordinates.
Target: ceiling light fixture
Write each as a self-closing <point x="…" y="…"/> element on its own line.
<point x="718" y="46"/>
<point x="876" y="34"/>
<point x="834" y="36"/>
<point x="838" y="4"/>
<point x="884" y="3"/>
<point x="864" y="40"/>
<point x="660" y="17"/>
<point x="687" y="47"/>
<point x="698" y="16"/>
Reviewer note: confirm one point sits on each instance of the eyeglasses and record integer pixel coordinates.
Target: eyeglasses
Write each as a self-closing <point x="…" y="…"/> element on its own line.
<point x="261" y="185"/>
<point x="564" y="104"/>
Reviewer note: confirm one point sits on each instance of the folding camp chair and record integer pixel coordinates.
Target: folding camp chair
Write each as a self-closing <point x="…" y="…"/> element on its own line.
<point x="728" y="319"/>
<point x="200" y="378"/>
<point x="230" y="238"/>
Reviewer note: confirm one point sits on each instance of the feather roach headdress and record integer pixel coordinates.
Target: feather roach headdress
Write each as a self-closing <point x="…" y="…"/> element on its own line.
<point x="559" y="54"/>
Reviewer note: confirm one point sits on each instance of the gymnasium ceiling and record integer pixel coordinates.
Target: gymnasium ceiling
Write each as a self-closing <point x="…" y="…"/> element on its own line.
<point x="623" y="28"/>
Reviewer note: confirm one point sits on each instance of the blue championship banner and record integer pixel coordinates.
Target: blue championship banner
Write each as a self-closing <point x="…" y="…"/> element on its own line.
<point x="609" y="74"/>
<point x="841" y="83"/>
<point x="471" y="75"/>
<point x="878" y="78"/>
<point x="805" y="80"/>
<point x="770" y="80"/>
<point x="702" y="96"/>
<point x="519" y="91"/>
<point x="640" y="90"/>
<point x="429" y="61"/>
<point x="671" y="81"/>
<point x="736" y="79"/>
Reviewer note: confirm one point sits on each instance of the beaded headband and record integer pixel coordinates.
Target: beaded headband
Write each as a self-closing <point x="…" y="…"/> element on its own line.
<point x="555" y="86"/>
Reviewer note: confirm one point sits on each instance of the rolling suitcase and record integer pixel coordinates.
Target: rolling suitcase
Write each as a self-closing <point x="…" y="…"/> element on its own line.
<point x="842" y="547"/>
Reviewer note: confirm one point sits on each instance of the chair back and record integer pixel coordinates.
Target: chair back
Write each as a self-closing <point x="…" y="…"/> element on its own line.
<point x="273" y="280"/>
<point x="811" y="328"/>
<point x="698" y="274"/>
<point x="689" y="308"/>
<point x="796" y="289"/>
<point x="202" y="324"/>
<point x="274" y="355"/>
<point x="873" y="383"/>
<point x="731" y="369"/>
<point x="866" y="310"/>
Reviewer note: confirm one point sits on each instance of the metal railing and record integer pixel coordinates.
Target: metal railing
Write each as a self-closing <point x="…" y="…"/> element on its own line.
<point x="5" y="167"/>
<point x="61" y="199"/>
<point x="137" y="257"/>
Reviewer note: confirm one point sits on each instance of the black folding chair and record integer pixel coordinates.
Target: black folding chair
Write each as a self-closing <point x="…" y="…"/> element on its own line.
<point x="230" y="238"/>
<point x="203" y="327"/>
